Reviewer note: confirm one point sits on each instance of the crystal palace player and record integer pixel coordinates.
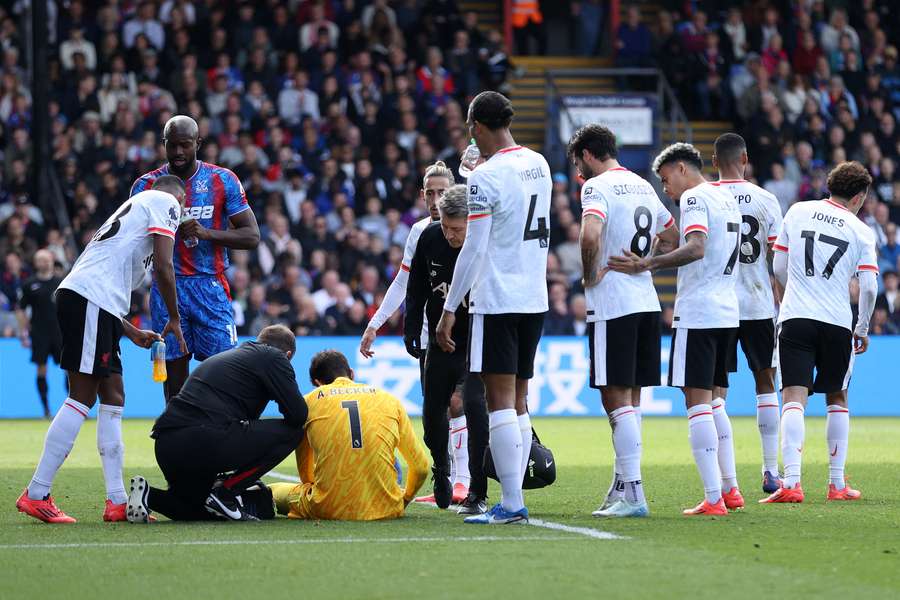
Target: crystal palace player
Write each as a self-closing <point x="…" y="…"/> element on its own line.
<point x="619" y="210"/>
<point x="706" y="312"/>
<point x="761" y="223"/>
<point x="91" y="304"/>
<point x="219" y="218"/>
<point x="504" y="262"/>
<point x="821" y="247"/>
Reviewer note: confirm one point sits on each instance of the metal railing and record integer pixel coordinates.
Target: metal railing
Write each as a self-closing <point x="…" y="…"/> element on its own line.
<point x="670" y="126"/>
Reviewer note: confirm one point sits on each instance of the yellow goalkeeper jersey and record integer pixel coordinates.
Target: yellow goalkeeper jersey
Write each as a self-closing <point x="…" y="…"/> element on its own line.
<point x="346" y="459"/>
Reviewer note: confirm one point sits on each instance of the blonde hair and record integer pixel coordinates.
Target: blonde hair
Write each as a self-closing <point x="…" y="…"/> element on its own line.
<point x="438" y="169"/>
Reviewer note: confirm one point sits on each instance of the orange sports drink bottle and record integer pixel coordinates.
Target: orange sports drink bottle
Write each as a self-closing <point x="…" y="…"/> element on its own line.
<point x="158" y="356"/>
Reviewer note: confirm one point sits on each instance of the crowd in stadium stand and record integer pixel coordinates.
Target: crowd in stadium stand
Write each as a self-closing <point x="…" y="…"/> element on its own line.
<point x="329" y="112"/>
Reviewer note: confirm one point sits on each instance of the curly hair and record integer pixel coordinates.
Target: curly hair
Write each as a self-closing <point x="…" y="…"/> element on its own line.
<point x="678" y="152"/>
<point x="596" y="139"/>
<point x="848" y="179"/>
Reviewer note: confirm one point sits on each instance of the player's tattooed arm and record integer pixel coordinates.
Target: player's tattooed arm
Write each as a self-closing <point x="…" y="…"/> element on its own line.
<point x="693" y="250"/>
<point x="665" y="242"/>
<point x="591" y="230"/>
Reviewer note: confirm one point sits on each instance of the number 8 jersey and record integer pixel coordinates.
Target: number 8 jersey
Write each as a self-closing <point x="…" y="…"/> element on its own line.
<point x="826" y="245"/>
<point x="513" y="188"/>
<point x="632" y="215"/>
<point x="706" y="296"/>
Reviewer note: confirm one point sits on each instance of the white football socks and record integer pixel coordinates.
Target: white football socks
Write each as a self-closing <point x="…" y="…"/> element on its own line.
<point x="112" y="451"/>
<point x="726" y="445"/>
<point x="793" y="432"/>
<point x="459" y="442"/>
<point x="626" y="436"/>
<point x="57" y="444"/>
<point x="506" y="450"/>
<point x="705" y="447"/>
<point x="767" y="414"/>
<point x="525" y="432"/>
<point x="837" y="428"/>
<point x="638" y="416"/>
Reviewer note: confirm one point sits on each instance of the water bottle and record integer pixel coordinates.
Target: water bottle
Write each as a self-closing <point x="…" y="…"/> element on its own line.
<point x="158" y="356"/>
<point x="190" y="241"/>
<point x="469" y="159"/>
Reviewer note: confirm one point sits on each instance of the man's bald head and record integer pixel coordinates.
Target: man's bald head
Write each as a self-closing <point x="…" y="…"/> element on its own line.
<point x="181" y="126"/>
<point x="181" y="137"/>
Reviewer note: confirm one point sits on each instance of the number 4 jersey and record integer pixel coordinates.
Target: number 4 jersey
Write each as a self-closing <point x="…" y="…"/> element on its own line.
<point x="513" y="188"/>
<point x="826" y="245"/>
<point x="117" y="258"/>
<point x="632" y="215"/>
<point x="760" y="225"/>
<point x="706" y="296"/>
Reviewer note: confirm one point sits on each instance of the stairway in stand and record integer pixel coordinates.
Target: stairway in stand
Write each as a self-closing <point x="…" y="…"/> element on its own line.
<point x="705" y="134"/>
<point x="529" y="91"/>
<point x="490" y="14"/>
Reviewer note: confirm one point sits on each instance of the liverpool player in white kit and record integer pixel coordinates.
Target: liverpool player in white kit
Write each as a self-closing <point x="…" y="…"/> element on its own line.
<point x="706" y="309"/>
<point x="822" y="245"/>
<point x="760" y="225"/>
<point x="91" y="304"/>
<point x="619" y="210"/>
<point x="504" y="262"/>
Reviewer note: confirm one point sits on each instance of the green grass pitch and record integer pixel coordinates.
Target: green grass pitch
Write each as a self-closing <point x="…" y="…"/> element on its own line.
<point x="806" y="551"/>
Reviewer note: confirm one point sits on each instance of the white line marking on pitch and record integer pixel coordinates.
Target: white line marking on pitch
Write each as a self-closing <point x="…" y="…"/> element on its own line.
<point x="586" y="531"/>
<point x="345" y="540"/>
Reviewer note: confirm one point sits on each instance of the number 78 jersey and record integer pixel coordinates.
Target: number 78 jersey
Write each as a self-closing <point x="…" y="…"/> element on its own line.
<point x="513" y="188"/>
<point x="826" y="245"/>
<point x="632" y="215"/>
<point x="706" y="297"/>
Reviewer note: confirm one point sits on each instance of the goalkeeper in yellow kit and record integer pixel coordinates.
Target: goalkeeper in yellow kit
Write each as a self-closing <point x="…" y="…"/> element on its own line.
<point x="346" y="459"/>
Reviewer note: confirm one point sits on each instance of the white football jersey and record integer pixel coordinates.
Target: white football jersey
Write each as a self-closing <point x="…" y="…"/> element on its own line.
<point x="412" y="241"/>
<point x="118" y="257"/>
<point x="706" y="295"/>
<point x="760" y="225"/>
<point x="632" y="215"/>
<point x="826" y="245"/>
<point x="513" y="187"/>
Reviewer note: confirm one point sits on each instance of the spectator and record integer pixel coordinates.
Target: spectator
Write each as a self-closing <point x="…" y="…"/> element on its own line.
<point x="634" y="43"/>
<point x="782" y="188"/>
<point x="889" y="253"/>
<point x="78" y="44"/>
<point x="837" y="26"/>
<point x="569" y="252"/>
<point x="144" y="23"/>
<point x="318" y="25"/>
<point x="558" y="321"/>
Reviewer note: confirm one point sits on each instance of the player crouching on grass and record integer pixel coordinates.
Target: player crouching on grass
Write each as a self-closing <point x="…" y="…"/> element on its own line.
<point x="212" y="426"/>
<point x="822" y="245"/>
<point x="346" y="459"/>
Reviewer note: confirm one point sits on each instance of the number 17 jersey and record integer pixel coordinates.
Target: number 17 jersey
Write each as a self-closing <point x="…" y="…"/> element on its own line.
<point x="513" y="188"/>
<point x="826" y="245"/>
<point x="632" y="215"/>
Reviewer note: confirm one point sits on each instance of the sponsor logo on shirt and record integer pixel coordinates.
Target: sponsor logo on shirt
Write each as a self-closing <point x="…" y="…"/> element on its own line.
<point x="199" y="212"/>
<point x="473" y="190"/>
<point x="691" y="201"/>
<point x="201" y="187"/>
